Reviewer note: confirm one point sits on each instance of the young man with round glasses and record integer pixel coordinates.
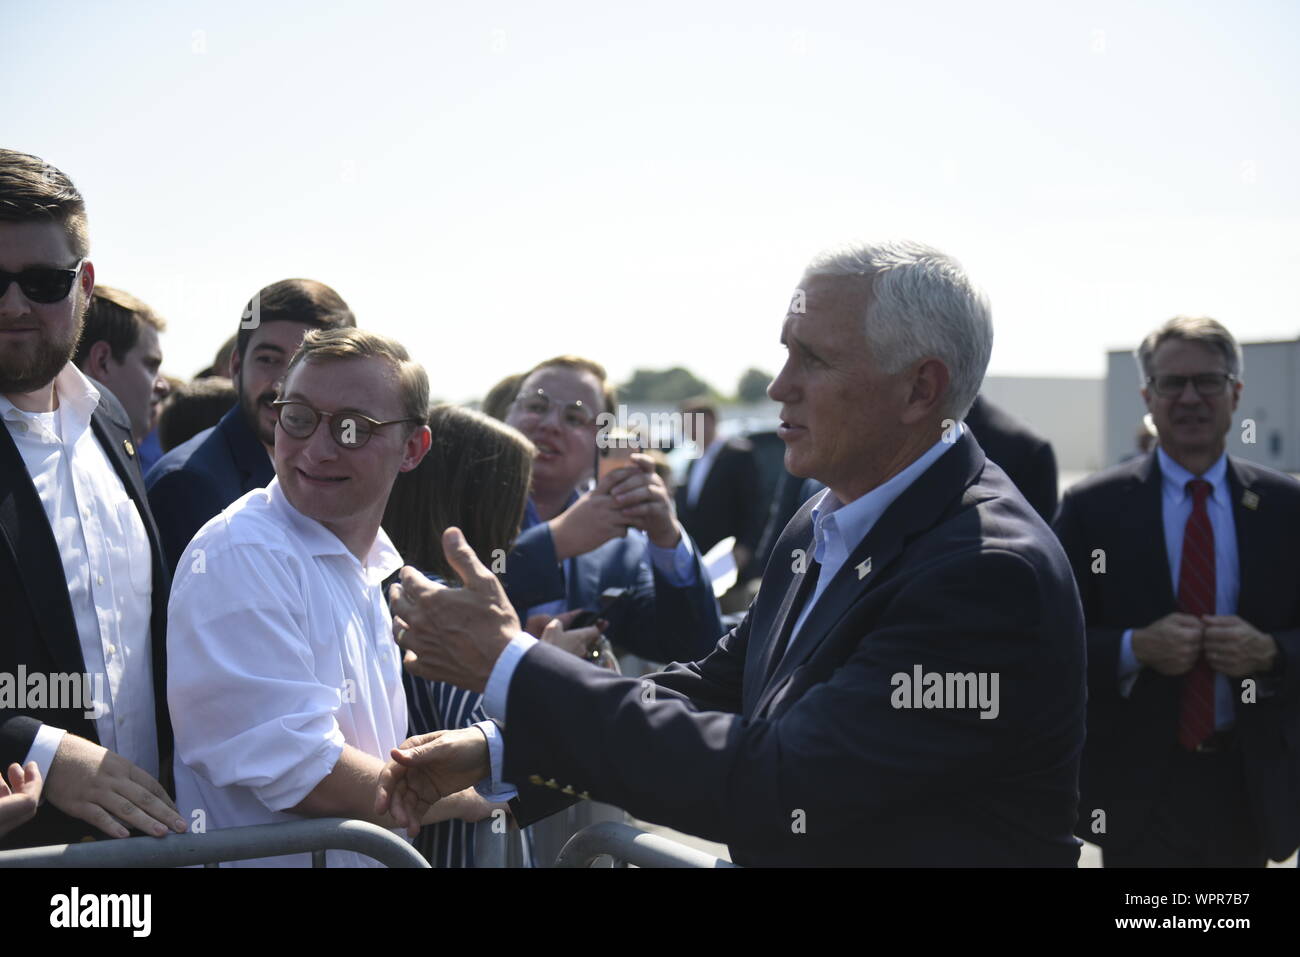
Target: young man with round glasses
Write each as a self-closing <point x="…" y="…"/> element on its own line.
<point x="82" y="581"/>
<point x="1193" y="627"/>
<point x="285" y="682"/>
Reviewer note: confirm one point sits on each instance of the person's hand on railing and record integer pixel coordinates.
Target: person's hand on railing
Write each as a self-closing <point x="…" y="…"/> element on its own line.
<point x="20" y="797"/>
<point x="466" y="805"/>
<point x="102" y="788"/>
<point x="428" y="768"/>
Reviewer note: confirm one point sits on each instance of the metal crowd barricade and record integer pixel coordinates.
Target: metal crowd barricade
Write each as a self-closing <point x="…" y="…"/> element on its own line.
<point x="630" y="845"/>
<point x="311" y="835"/>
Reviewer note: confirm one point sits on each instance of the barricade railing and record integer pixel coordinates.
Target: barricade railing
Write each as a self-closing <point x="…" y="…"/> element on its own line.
<point x="630" y="845"/>
<point x="311" y="835"/>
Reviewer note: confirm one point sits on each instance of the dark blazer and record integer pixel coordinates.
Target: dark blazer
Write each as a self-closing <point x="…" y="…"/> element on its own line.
<point x="730" y="500"/>
<point x="201" y="476"/>
<point x="804" y="759"/>
<point x="1024" y="455"/>
<point x="1132" y="741"/>
<point x="40" y="632"/>
<point x="661" y="623"/>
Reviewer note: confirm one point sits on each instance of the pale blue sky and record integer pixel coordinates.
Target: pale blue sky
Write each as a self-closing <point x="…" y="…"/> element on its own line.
<point x="493" y="183"/>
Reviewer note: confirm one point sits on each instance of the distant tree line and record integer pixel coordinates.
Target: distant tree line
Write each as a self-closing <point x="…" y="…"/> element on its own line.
<point x="678" y="383"/>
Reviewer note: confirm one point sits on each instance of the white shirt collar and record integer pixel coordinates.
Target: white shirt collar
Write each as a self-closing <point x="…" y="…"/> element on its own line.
<point x="1175" y="477"/>
<point x="851" y="522"/>
<point x="381" y="561"/>
<point x="77" y="400"/>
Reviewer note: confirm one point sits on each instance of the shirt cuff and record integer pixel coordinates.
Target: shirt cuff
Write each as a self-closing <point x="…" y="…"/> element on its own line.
<point x="498" y="685"/>
<point x="44" y="745"/>
<point x="493" y="788"/>
<point x="676" y="564"/>
<point x="1129" y="666"/>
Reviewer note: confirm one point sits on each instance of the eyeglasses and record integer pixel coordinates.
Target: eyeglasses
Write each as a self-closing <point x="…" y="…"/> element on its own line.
<point x="538" y="405"/>
<point x="43" y="284"/>
<point x="351" y="430"/>
<point x="1206" y="383"/>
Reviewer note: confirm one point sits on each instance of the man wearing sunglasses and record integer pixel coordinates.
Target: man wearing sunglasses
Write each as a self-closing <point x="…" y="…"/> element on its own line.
<point x="200" y="477"/>
<point x="284" y="680"/>
<point x="1187" y="564"/>
<point x="83" y="587"/>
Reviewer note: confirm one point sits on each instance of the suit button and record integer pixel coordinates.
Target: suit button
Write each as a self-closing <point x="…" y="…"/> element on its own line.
<point x="585" y="796"/>
<point x="567" y="789"/>
<point x="534" y="779"/>
<point x="552" y="783"/>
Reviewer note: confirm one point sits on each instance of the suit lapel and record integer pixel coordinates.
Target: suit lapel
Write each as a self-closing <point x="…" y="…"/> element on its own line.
<point x="797" y="595"/>
<point x="1144" y="517"/>
<point x="1253" y="533"/>
<point x="113" y="436"/>
<point x="25" y="530"/>
<point x="919" y="506"/>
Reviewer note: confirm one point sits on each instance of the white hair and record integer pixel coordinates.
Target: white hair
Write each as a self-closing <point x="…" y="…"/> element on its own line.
<point x="920" y="304"/>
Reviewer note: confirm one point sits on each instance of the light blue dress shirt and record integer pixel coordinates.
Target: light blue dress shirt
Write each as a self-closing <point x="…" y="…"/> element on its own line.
<point x="1176" y="508"/>
<point x="837" y="530"/>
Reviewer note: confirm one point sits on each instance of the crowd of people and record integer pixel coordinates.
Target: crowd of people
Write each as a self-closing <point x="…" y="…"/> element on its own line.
<point x="298" y="588"/>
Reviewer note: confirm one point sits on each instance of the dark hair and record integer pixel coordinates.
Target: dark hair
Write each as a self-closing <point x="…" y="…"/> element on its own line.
<point x="502" y="395"/>
<point x="220" y="362"/>
<point x="475" y="476"/>
<point x="293" y="300"/>
<point x="192" y="408"/>
<point x="115" y="317"/>
<point x="32" y="190"/>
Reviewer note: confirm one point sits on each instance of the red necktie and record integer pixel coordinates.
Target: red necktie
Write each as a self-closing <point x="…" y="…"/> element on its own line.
<point x="1196" y="591"/>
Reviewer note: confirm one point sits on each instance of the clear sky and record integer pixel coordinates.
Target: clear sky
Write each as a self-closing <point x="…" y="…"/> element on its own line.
<point x="493" y="183"/>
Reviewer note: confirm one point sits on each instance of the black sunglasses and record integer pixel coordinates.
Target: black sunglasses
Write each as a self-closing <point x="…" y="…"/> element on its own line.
<point x="43" y="284"/>
<point x="350" y="429"/>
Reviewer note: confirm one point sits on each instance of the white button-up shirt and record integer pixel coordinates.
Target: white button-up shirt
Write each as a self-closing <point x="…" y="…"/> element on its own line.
<point x="280" y="650"/>
<point x="107" y="563"/>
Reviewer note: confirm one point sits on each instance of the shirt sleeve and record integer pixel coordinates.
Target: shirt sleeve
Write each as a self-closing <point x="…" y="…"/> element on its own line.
<point x="1129" y="666"/>
<point x="676" y="564"/>
<point x="247" y="705"/>
<point x="493" y="788"/>
<point x="44" y="746"/>
<point x="498" y="686"/>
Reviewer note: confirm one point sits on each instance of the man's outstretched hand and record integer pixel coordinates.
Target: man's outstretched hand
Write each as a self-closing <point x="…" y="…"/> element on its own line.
<point x="453" y="634"/>
<point x="427" y="768"/>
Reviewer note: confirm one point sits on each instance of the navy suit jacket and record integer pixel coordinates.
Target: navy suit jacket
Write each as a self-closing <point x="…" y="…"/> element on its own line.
<point x="661" y="622"/>
<point x="40" y="631"/>
<point x="1026" y="457"/>
<point x="804" y="759"/>
<point x="201" y="476"/>
<point x="729" y="502"/>
<point x="1133" y="741"/>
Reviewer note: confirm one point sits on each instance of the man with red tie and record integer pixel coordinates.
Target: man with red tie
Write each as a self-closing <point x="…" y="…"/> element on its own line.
<point x="1187" y="561"/>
